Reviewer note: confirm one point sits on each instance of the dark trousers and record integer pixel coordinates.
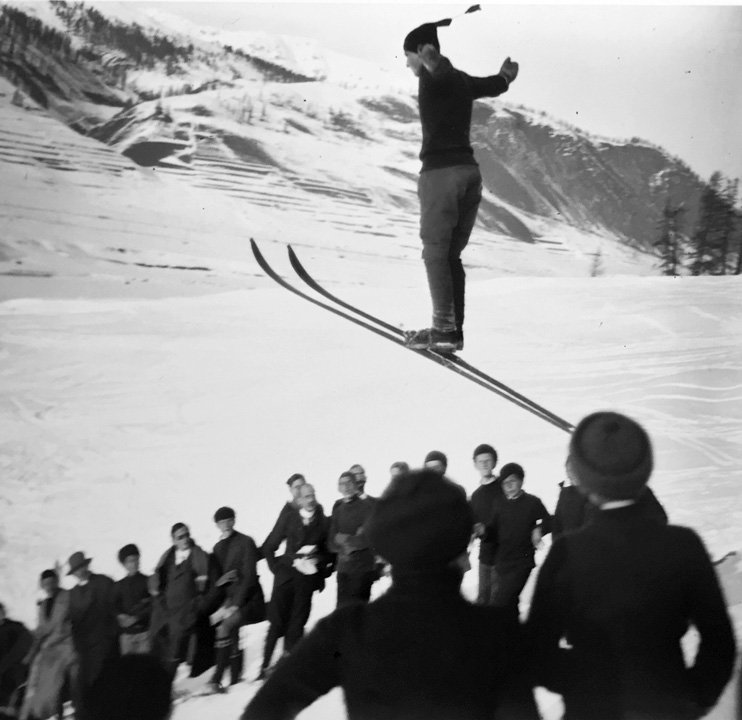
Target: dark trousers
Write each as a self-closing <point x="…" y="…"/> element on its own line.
<point x="509" y="582"/>
<point x="449" y="200"/>
<point x="487" y="584"/>
<point x="288" y="612"/>
<point x="354" y="587"/>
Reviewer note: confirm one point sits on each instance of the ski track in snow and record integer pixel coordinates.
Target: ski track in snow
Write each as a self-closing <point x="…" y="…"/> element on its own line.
<point x="132" y="397"/>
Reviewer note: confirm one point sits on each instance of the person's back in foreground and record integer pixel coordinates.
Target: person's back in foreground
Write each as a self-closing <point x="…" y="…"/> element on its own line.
<point x="622" y="592"/>
<point x="420" y="650"/>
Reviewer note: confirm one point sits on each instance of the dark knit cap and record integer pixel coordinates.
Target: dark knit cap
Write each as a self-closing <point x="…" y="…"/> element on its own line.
<point x="423" y="35"/>
<point x="512" y="469"/>
<point x="436" y="455"/>
<point x="49" y="574"/>
<point x="422" y="520"/>
<point x="224" y="513"/>
<point x="610" y="455"/>
<point x="128" y="551"/>
<point x="484" y="449"/>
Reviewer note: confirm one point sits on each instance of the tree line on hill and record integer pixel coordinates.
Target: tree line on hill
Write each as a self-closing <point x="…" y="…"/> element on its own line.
<point x="714" y="245"/>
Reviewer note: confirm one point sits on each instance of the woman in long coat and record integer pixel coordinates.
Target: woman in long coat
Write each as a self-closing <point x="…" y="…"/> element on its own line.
<point x="52" y="654"/>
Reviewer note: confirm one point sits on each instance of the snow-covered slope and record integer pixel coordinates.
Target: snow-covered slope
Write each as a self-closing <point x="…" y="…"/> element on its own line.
<point x="171" y="93"/>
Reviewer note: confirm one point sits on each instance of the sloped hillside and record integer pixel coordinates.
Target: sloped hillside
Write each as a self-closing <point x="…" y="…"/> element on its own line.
<point x="165" y="93"/>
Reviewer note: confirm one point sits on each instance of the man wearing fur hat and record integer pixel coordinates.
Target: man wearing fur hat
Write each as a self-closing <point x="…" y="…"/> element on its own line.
<point x="622" y="591"/>
<point x="450" y="184"/>
<point x="133" y="604"/>
<point x="420" y="651"/>
<point x="236" y="558"/>
<point x="94" y="626"/>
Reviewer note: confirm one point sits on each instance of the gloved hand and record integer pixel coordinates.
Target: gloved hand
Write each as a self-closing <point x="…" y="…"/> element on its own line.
<point x="509" y="70"/>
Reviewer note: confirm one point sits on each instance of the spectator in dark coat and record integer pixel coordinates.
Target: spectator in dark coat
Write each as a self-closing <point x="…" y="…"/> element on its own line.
<point x="180" y="629"/>
<point x="356" y="563"/>
<point x="52" y="657"/>
<point x="574" y="509"/>
<point x="15" y="642"/>
<point x="134" y="687"/>
<point x="482" y="503"/>
<point x="94" y="626"/>
<point x="236" y="557"/>
<point x="298" y="573"/>
<point x="437" y="461"/>
<point x="133" y="604"/>
<point x="623" y="591"/>
<point x="518" y="523"/>
<point x="420" y="651"/>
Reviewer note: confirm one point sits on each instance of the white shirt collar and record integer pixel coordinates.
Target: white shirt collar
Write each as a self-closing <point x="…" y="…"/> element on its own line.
<point x="181" y="555"/>
<point x="488" y="480"/>
<point x="615" y="504"/>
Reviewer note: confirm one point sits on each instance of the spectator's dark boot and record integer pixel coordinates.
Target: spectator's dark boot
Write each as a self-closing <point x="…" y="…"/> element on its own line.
<point x="223" y="650"/>
<point x="236" y="663"/>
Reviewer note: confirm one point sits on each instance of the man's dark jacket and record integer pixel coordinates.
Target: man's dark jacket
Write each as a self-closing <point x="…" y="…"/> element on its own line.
<point x="419" y="652"/>
<point x="94" y="625"/>
<point x="131" y="597"/>
<point x="482" y="502"/>
<point x="297" y="534"/>
<point x="238" y="553"/>
<point x="623" y="591"/>
<point x="574" y="509"/>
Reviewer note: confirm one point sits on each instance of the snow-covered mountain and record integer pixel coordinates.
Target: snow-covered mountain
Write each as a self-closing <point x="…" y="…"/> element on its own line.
<point x="236" y="109"/>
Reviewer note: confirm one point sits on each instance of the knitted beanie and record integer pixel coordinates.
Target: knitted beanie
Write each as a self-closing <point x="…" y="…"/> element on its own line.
<point x="128" y="551"/>
<point x="422" y="520"/>
<point x="224" y="513"/>
<point x="426" y="34"/>
<point x="512" y="469"/>
<point x="610" y="455"/>
<point x="436" y="455"/>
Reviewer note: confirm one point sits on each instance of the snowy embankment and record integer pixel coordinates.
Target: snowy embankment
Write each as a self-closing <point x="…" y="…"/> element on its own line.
<point x="134" y="394"/>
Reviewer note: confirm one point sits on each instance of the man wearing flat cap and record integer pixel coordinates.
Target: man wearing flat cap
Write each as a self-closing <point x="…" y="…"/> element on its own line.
<point x="450" y="184"/>
<point x="94" y="626"/>
<point x="239" y="592"/>
<point x="623" y="590"/>
<point x="420" y="651"/>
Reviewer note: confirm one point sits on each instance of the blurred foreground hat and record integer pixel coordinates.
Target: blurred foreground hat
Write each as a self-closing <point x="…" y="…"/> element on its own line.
<point x="421" y="520"/>
<point x="610" y="455"/>
<point x="76" y="561"/>
<point x="128" y="551"/>
<point x="436" y="456"/>
<point x="224" y="513"/>
<point x="427" y="33"/>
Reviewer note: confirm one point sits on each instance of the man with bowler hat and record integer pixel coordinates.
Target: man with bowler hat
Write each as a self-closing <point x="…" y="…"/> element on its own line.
<point x="420" y="651"/>
<point x="94" y="626"/>
<point x="614" y="598"/>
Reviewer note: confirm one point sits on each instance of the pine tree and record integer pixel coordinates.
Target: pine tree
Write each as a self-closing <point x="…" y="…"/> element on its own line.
<point x="705" y="254"/>
<point x="668" y="245"/>
<point x="727" y="221"/>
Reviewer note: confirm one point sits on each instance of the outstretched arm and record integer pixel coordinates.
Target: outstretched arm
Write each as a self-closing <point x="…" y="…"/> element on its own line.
<point x="495" y="85"/>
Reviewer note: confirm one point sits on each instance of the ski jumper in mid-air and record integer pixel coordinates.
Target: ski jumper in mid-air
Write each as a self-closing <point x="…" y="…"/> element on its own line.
<point x="450" y="184"/>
